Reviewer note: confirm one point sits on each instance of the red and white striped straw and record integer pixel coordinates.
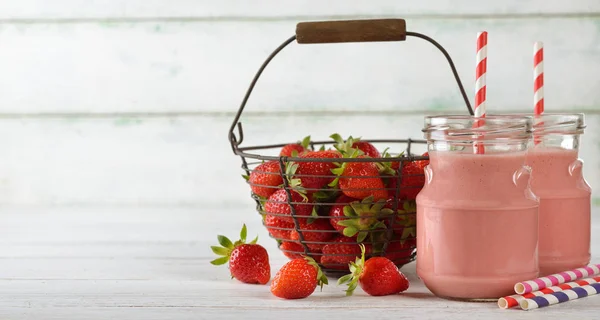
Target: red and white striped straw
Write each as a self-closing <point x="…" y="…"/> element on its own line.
<point x="480" y="84"/>
<point x="538" y="78"/>
<point x="538" y="82"/>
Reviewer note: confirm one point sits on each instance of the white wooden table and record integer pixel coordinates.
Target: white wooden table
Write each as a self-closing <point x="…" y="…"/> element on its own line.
<point x="153" y="263"/>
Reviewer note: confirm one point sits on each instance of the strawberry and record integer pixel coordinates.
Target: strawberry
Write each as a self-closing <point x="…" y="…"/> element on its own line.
<point x="277" y="227"/>
<point x="315" y="175"/>
<point x="359" y="179"/>
<point x="294" y="250"/>
<point x="295" y="149"/>
<point x="277" y="205"/>
<point x="248" y="262"/>
<point x="320" y="230"/>
<point x="341" y="251"/>
<point x="337" y="212"/>
<point x="359" y="218"/>
<point x="298" y="279"/>
<point x="413" y="180"/>
<point x="401" y="251"/>
<point x="378" y="276"/>
<point x="345" y="146"/>
<point x="265" y="179"/>
<point x="423" y="163"/>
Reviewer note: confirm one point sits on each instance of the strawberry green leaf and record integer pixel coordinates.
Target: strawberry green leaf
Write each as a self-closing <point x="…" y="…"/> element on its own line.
<point x="322" y="148"/>
<point x="347" y="223"/>
<point x="220" y="251"/>
<point x="350" y="231"/>
<point x="349" y="212"/>
<point x="294" y="153"/>
<point x="220" y="261"/>
<point x="243" y="234"/>
<point x="254" y="240"/>
<point x="225" y="242"/>
<point x="305" y="142"/>
<point x="344" y="279"/>
<point x="362" y="236"/>
<point x="246" y="177"/>
<point x="337" y="138"/>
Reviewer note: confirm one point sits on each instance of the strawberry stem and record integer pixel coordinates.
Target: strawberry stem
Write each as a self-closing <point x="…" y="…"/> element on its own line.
<point x="356" y="269"/>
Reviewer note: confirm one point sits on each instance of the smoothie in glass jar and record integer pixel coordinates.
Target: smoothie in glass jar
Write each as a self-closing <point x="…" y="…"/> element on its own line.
<point x="477" y="219"/>
<point x="565" y="196"/>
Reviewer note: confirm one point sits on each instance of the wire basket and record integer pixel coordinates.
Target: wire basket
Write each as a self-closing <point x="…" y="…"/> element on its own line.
<point x="331" y="197"/>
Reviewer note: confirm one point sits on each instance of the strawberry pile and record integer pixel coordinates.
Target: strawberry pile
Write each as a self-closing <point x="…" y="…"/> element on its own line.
<point x="299" y="278"/>
<point x="340" y="198"/>
<point x="346" y="208"/>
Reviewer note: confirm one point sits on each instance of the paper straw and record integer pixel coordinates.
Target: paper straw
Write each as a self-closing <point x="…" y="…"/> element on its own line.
<point x="538" y="82"/>
<point x="557" y="278"/>
<point x="538" y="78"/>
<point x="480" y="84"/>
<point x="514" y="300"/>
<point x="560" y="296"/>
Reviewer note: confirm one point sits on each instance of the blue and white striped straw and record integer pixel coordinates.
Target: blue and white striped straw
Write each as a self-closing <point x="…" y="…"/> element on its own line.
<point x="560" y="296"/>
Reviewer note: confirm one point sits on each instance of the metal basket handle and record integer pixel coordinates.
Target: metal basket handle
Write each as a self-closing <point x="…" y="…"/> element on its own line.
<point x="374" y="30"/>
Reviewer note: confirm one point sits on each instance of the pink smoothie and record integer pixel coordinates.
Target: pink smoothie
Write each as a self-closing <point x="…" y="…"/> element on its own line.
<point x="564" y="209"/>
<point x="477" y="224"/>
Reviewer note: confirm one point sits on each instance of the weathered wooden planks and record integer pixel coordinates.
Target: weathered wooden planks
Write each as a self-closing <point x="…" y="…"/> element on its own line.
<point x="172" y="160"/>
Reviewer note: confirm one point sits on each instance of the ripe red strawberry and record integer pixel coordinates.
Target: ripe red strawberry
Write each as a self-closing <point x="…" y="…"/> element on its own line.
<point x="265" y="179"/>
<point x="378" y="276"/>
<point x="423" y="163"/>
<point x="400" y="251"/>
<point x="248" y="263"/>
<point x="413" y="180"/>
<point x="367" y="148"/>
<point x="278" y="228"/>
<point x="360" y="180"/>
<point x="320" y="230"/>
<point x="359" y="218"/>
<point x="315" y="175"/>
<point x="294" y="250"/>
<point x="298" y="279"/>
<point x="295" y="149"/>
<point x="340" y="252"/>
<point x="277" y="204"/>
<point x="346" y="146"/>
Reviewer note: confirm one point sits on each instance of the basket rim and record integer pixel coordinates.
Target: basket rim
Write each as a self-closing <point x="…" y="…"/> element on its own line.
<point x="242" y="151"/>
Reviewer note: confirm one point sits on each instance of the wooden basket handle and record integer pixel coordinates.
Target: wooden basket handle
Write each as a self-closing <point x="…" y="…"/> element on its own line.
<point x="351" y="31"/>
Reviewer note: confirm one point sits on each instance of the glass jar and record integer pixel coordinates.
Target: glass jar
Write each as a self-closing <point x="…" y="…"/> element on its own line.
<point x="477" y="219"/>
<point x="565" y="197"/>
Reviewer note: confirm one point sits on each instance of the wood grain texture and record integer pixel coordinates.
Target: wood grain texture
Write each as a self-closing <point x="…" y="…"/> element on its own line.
<point x="211" y="9"/>
<point x="152" y="263"/>
<point x="206" y="67"/>
<point x="176" y="160"/>
<point x="363" y="30"/>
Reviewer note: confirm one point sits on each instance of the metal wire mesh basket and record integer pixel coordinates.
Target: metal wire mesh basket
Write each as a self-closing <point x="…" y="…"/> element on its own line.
<point x="324" y="198"/>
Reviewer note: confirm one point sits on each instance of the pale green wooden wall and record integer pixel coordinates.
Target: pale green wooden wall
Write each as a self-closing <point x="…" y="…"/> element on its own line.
<point x="117" y="102"/>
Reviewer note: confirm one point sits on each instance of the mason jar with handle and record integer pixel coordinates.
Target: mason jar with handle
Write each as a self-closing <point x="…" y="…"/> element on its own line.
<point x="477" y="218"/>
<point x="565" y="197"/>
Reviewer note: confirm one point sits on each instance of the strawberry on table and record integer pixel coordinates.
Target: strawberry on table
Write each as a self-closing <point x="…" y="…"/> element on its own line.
<point x="248" y="262"/>
<point x="320" y="230"/>
<point x="265" y="179"/>
<point x="377" y="276"/>
<point x="295" y="149"/>
<point x="298" y="279"/>
<point x="359" y="218"/>
<point x="277" y="205"/>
